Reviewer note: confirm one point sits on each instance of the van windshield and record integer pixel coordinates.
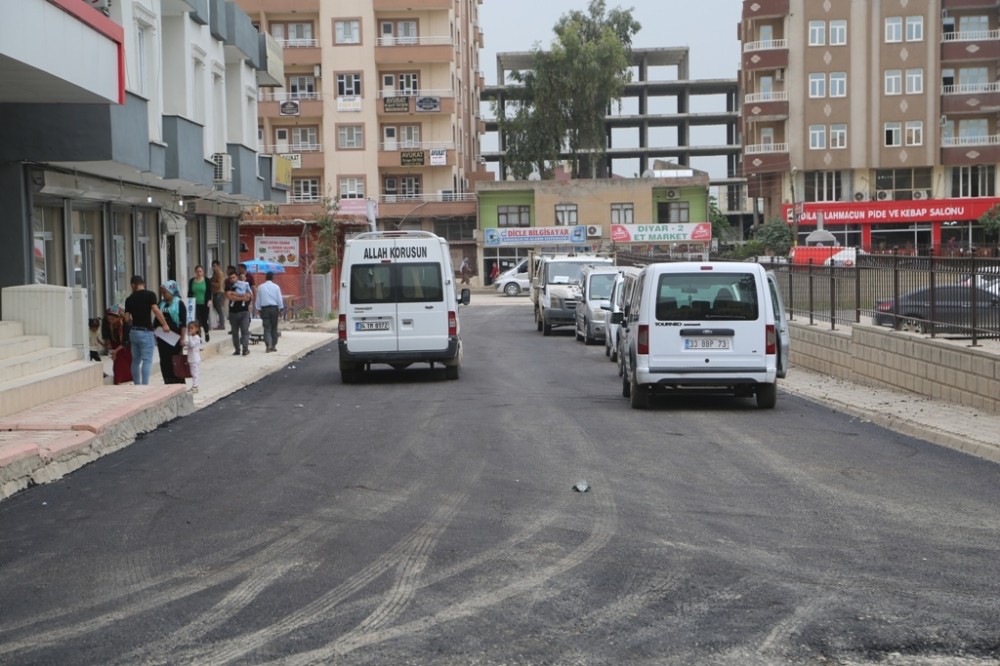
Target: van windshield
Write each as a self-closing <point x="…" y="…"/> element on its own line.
<point x="396" y="283"/>
<point x="706" y="295"/>
<point x="600" y="286"/>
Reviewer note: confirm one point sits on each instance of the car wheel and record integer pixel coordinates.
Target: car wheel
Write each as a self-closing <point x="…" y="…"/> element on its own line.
<point x="639" y="395"/>
<point x="538" y="320"/>
<point x="767" y="395"/>
<point x="588" y="339"/>
<point x="912" y="324"/>
<point x="451" y="371"/>
<point x="626" y="387"/>
<point x="512" y="289"/>
<point x="349" y="373"/>
<point x="607" y="348"/>
<point x="546" y="328"/>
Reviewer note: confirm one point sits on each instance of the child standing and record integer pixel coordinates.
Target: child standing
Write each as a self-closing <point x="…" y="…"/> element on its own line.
<point x="193" y="345"/>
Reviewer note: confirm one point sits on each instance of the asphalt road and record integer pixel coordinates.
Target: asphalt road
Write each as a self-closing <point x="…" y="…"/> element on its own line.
<point x="414" y="520"/>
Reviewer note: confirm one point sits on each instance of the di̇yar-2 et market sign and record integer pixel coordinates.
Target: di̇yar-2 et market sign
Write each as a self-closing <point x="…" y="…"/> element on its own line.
<point x="934" y="210"/>
<point x="661" y="233"/>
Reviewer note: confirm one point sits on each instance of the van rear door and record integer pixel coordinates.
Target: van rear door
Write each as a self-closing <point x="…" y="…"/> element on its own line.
<point x="371" y="310"/>
<point x="780" y="324"/>
<point x="422" y="310"/>
<point x="706" y="322"/>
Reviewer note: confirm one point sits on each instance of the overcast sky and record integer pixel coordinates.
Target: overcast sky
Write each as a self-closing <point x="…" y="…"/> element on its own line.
<point x="714" y="51"/>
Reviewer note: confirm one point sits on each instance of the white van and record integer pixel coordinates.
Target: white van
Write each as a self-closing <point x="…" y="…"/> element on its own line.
<point x="621" y="288"/>
<point x="398" y="304"/>
<point x="595" y="295"/>
<point x="704" y="325"/>
<point x="555" y="288"/>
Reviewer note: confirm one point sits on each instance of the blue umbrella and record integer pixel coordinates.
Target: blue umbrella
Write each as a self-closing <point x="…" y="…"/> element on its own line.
<point x="258" y="266"/>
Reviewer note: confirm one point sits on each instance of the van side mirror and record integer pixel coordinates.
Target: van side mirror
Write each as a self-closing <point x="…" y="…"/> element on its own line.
<point x="465" y="296"/>
<point x="616" y="317"/>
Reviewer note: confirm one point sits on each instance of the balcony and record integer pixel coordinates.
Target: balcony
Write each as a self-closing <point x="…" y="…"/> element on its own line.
<point x="765" y="157"/>
<point x="301" y="155"/>
<point x="416" y="154"/>
<point x="970" y="46"/>
<point x="442" y="203"/>
<point x="952" y="5"/>
<point x="409" y="50"/>
<point x="304" y="54"/>
<point x="416" y="101"/>
<point x="970" y="150"/>
<point x="765" y="107"/>
<point x="276" y="104"/>
<point x="769" y="54"/>
<point x="764" y="9"/>
<point x="970" y="98"/>
<point x="411" y="5"/>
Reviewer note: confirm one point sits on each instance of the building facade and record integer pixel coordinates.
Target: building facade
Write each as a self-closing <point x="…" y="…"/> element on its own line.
<point x="877" y="118"/>
<point x="379" y="112"/>
<point x="146" y="176"/>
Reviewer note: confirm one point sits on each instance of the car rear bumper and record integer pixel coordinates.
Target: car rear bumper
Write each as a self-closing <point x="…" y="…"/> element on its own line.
<point x="698" y="377"/>
<point x="416" y="356"/>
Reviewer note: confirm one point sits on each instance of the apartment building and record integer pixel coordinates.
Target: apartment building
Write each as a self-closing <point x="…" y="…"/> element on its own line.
<point x="138" y="157"/>
<point x="877" y="118"/>
<point x="379" y="112"/>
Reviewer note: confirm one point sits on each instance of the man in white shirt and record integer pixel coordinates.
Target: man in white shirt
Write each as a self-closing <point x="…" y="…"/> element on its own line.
<point x="269" y="304"/>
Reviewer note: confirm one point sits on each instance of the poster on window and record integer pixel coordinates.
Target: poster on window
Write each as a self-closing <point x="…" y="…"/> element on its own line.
<point x="282" y="250"/>
<point x="439" y="157"/>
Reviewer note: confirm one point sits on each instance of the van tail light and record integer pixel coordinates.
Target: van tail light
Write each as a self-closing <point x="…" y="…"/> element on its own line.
<point x="642" y="339"/>
<point x="770" y="340"/>
<point x="452" y="323"/>
<point x="342" y="327"/>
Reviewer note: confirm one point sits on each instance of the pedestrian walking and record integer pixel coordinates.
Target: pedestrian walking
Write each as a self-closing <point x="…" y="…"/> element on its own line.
<point x="175" y="314"/>
<point x="270" y="303"/>
<point x="494" y="272"/>
<point x="141" y="310"/>
<point x="218" y="294"/>
<point x="465" y="270"/>
<point x="200" y="289"/>
<point x="193" y="346"/>
<point x="239" y="295"/>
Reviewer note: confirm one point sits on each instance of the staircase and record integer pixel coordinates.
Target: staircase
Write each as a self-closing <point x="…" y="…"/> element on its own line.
<point x="33" y="372"/>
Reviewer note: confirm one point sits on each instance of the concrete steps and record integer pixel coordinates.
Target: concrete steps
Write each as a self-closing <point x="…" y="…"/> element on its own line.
<point x="32" y="372"/>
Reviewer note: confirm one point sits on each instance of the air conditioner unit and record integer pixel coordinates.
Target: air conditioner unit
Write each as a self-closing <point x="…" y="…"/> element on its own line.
<point x="594" y="231"/>
<point x="884" y="195"/>
<point x="223" y="172"/>
<point x="920" y="195"/>
<point x="671" y="194"/>
<point x="860" y="196"/>
<point x="447" y="195"/>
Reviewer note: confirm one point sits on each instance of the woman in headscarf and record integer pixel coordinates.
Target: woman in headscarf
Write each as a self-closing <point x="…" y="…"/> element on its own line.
<point x="174" y="311"/>
<point x="115" y="337"/>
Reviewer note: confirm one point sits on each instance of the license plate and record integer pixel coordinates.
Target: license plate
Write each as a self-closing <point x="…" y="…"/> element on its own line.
<point x="371" y="325"/>
<point x="707" y="343"/>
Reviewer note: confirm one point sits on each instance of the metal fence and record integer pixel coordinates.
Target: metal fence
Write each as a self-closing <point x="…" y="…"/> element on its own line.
<point x="307" y="295"/>
<point x="953" y="296"/>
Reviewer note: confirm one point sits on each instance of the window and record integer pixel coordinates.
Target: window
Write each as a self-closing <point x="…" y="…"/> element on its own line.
<point x="566" y="215"/>
<point x="350" y="137"/>
<point x="901" y="183"/>
<point x="817" y="33"/>
<point x="823" y="186"/>
<point x="513" y="216"/>
<point x="622" y="213"/>
<point x="292" y="35"/>
<point x="894" y="29"/>
<point x="838" y="84"/>
<point x="409" y="83"/>
<point x="973" y="128"/>
<point x="767" y="136"/>
<point x="893" y="82"/>
<point x="141" y="58"/>
<point x="817" y="137"/>
<point x="305" y="139"/>
<point x="398" y="32"/>
<point x="838" y="136"/>
<point x="349" y="84"/>
<point x="893" y="134"/>
<point x="973" y="77"/>
<point x="838" y="32"/>
<point x="302" y="87"/>
<point x="914" y="133"/>
<point x="678" y="212"/>
<point x="973" y="181"/>
<point x="915" y="81"/>
<point x="409" y="136"/>
<point x="974" y="26"/>
<point x="817" y="85"/>
<point x="305" y="190"/>
<point x="396" y="283"/>
<point x="347" y="31"/>
<point x="352" y="187"/>
<point x="410" y="187"/>
<point x="914" y="28"/>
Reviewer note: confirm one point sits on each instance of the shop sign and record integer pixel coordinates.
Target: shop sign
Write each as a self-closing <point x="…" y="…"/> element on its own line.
<point x="396" y="104"/>
<point x="661" y="233"/>
<point x="411" y="158"/>
<point x="282" y="250"/>
<point x="289" y="108"/>
<point x="575" y="235"/>
<point x="428" y="104"/>
<point x="852" y="212"/>
<point x="439" y="157"/>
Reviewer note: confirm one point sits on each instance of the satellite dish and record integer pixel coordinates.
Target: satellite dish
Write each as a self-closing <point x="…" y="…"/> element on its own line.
<point x="648" y="173"/>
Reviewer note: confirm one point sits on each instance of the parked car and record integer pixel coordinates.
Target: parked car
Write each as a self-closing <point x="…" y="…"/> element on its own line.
<point x="591" y="312"/>
<point x="512" y="284"/>
<point x="624" y="282"/>
<point x="952" y="310"/>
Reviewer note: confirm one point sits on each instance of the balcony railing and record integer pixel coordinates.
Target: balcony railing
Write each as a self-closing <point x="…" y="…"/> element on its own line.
<point x="304" y="198"/>
<point x="401" y="144"/>
<point x="765" y="148"/>
<point x="970" y="36"/>
<point x="970" y="88"/>
<point x="414" y="41"/>
<point x="445" y="195"/>
<point x="765" y="45"/>
<point x="962" y="141"/>
<point x="266" y="96"/>
<point x="294" y="148"/>
<point x="298" y="43"/>
<point x="416" y="93"/>
<point x="758" y="98"/>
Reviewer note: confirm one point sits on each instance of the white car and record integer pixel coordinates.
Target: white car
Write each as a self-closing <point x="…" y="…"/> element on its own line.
<point x="513" y="284"/>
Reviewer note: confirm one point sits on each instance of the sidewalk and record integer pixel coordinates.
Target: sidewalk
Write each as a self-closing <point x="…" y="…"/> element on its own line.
<point x="47" y="442"/>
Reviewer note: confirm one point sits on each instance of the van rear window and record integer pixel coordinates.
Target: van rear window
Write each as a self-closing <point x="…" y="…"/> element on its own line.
<point x="706" y="295"/>
<point x="396" y="283"/>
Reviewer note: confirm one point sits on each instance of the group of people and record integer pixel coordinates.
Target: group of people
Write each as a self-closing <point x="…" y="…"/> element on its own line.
<point x="149" y="321"/>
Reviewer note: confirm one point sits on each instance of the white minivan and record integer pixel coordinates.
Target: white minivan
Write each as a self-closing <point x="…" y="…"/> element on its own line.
<point x="704" y="325"/>
<point x="398" y="304"/>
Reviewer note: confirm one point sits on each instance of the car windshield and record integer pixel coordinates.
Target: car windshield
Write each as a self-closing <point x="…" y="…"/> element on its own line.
<point x="600" y="287"/>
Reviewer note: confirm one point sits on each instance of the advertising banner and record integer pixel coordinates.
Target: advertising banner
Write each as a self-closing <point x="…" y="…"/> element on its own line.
<point x="282" y="250"/>
<point x="860" y="212"/>
<point x="661" y="233"/>
<point x="496" y="237"/>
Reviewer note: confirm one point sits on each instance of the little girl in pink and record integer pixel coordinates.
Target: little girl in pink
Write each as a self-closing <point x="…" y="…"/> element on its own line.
<point x="193" y="345"/>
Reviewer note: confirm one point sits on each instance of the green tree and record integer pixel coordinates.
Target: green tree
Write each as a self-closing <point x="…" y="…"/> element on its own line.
<point x="776" y="236"/>
<point x="329" y="236"/>
<point x="568" y="92"/>
<point x="721" y="228"/>
<point x="990" y="221"/>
